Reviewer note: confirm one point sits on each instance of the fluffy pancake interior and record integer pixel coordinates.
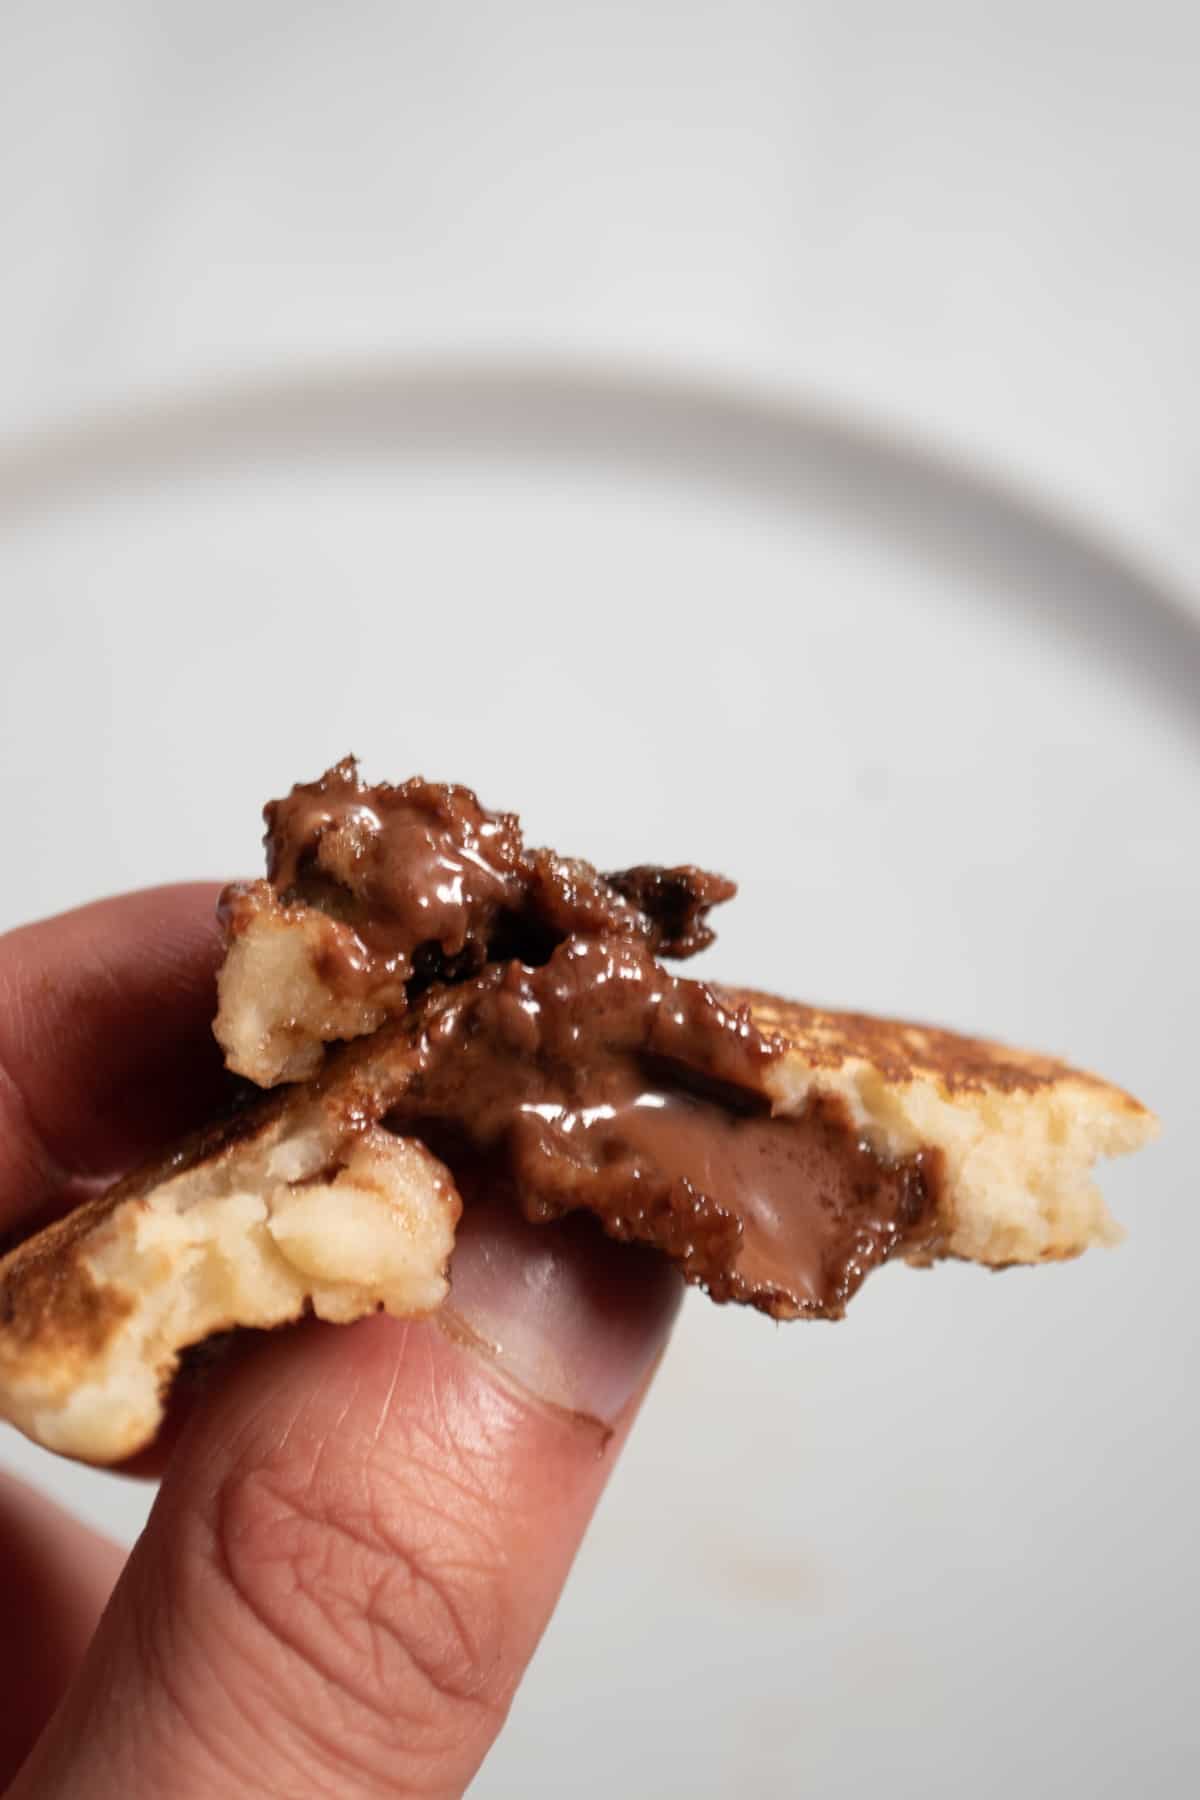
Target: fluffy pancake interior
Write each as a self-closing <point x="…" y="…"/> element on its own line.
<point x="95" y="1311"/>
<point x="1018" y="1141"/>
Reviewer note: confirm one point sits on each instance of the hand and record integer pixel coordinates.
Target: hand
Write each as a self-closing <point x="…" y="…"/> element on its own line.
<point x="361" y="1531"/>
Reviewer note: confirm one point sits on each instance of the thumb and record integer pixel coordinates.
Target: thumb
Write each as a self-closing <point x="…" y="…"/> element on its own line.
<point x="361" y="1536"/>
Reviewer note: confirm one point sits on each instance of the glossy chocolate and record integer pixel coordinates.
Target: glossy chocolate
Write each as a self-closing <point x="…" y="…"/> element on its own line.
<point x="601" y="1082"/>
<point x="553" y="1055"/>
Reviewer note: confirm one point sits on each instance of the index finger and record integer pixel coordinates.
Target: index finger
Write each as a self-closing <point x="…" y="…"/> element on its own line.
<point x="106" y="1046"/>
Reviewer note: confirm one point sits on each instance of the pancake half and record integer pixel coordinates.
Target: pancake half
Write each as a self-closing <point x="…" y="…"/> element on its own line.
<point x="432" y="1006"/>
<point x="913" y="1143"/>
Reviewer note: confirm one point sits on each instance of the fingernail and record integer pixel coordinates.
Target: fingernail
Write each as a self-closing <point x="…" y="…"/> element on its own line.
<point x="571" y="1317"/>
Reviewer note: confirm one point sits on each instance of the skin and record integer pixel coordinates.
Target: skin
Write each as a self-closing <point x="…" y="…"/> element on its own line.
<point x="361" y="1532"/>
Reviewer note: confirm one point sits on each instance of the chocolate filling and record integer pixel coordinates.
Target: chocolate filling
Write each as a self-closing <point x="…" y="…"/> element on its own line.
<point x="599" y="1081"/>
<point x="433" y="886"/>
<point x="551" y="1054"/>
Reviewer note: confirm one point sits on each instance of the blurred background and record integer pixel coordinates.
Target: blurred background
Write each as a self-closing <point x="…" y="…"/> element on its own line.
<point x="766" y="435"/>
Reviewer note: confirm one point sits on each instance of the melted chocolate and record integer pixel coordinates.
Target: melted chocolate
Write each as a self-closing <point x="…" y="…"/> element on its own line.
<point x="599" y="1081"/>
<point x="434" y="886"/>
<point x="552" y="1055"/>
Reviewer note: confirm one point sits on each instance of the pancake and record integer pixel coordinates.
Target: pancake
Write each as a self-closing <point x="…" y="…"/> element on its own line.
<point x="510" y="1023"/>
<point x="307" y="1203"/>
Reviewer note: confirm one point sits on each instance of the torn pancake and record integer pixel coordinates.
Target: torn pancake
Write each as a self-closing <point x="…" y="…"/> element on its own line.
<point x="1017" y="1134"/>
<point x="283" y="1210"/>
<point x="776" y="1154"/>
<point x="505" y="1018"/>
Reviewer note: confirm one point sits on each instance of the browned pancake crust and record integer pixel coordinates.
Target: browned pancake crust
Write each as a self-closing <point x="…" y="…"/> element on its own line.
<point x="903" y="1051"/>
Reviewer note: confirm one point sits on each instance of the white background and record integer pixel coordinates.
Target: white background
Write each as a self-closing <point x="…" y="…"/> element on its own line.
<point x="766" y="436"/>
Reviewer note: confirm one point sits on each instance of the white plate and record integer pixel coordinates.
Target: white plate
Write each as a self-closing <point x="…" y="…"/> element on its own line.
<point x="952" y="752"/>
